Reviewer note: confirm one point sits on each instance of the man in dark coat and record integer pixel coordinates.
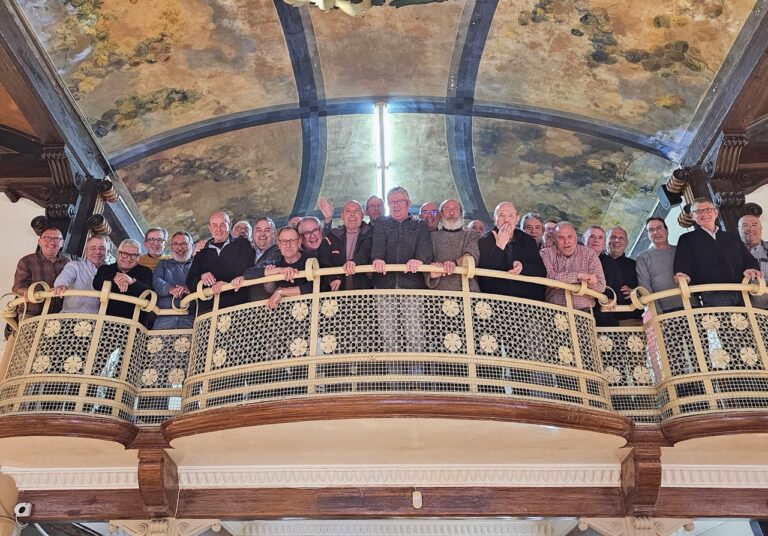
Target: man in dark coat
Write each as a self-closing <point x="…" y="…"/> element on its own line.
<point x="594" y="239"/>
<point x="220" y="260"/>
<point x="709" y="255"/>
<point x="127" y="276"/>
<point x="348" y="245"/>
<point x="509" y="249"/>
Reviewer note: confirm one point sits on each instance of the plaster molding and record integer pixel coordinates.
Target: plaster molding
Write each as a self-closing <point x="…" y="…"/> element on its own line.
<point x="496" y="527"/>
<point x="635" y="526"/>
<point x="714" y="476"/>
<point x="52" y="478"/>
<point x="163" y="527"/>
<point x="309" y="476"/>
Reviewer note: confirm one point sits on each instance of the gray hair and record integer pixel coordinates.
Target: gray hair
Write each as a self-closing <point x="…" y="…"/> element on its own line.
<point x="269" y="221"/>
<point x="130" y="242"/>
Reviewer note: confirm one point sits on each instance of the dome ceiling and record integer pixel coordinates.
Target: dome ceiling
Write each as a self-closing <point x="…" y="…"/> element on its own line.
<point x="574" y="108"/>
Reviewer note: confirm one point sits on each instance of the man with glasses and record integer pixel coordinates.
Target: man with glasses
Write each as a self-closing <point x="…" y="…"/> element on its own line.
<point x="154" y="241"/>
<point x="751" y="233"/>
<point x="430" y="214"/>
<point x="170" y="282"/>
<point x="127" y="277"/>
<point x="311" y="231"/>
<point x="655" y="265"/>
<point x="374" y="208"/>
<point x="43" y="265"/>
<point x="78" y="275"/>
<point x="708" y="255"/>
<point x="222" y="259"/>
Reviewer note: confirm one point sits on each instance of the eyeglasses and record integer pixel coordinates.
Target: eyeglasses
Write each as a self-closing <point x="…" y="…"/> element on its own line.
<point x="51" y="239"/>
<point x="398" y="201"/>
<point x="316" y="230"/>
<point x="155" y="240"/>
<point x="705" y="210"/>
<point x="127" y="255"/>
<point x="178" y="244"/>
<point x="287" y="241"/>
<point x="429" y="212"/>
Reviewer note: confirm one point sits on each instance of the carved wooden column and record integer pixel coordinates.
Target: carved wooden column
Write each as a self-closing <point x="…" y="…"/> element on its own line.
<point x="728" y="194"/>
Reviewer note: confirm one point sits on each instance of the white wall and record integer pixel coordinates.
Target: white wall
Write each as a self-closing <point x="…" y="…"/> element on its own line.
<point x="18" y="240"/>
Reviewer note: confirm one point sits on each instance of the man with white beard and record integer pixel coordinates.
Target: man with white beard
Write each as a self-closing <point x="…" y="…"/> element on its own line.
<point x="451" y="243"/>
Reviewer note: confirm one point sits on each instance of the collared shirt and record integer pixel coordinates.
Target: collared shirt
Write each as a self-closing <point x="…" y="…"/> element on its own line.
<point x="760" y="252"/>
<point x="78" y="275"/>
<point x="562" y="268"/>
<point x="35" y="267"/>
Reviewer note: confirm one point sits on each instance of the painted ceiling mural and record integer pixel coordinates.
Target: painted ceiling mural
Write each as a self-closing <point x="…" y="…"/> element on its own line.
<point x="259" y="107"/>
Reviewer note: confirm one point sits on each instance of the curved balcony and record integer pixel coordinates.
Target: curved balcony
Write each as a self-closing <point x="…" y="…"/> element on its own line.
<point x="346" y="354"/>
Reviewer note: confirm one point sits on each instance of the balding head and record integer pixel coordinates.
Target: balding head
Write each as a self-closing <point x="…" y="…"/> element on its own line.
<point x="505" y="213"/>
<point x="750" y="230"/>
<point x="565" y="234"/>
<point x="218" y="224"/>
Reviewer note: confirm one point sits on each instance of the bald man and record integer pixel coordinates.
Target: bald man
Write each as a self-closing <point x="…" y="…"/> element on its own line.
<point x="509" y="249"/>
<point x="222" y="258"/>
<point x="751" y="233"/>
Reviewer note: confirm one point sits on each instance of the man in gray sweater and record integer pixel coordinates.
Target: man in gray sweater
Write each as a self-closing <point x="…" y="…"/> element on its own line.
<point x="655" y="265"/>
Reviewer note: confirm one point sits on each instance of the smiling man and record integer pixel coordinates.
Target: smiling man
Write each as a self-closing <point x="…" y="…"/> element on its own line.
<point x="78" y="275"/>
<point x="708" y="255"/>
<point x="127" y="277"/>
<point x="349" y="246"/>
<point x="44" y="265"/>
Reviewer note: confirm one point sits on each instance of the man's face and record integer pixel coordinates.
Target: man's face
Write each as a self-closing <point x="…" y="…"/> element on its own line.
<point x="595" y="239"/>
<point x="657" y="233"/>
<point x="288" y="243"/>
<point x="534" y="228"/>
<point x="506" y="215"/>
<point x="617" y="242"/>
<point x="180" y="248"/>
<point x="374" y="208"/>
<point x="398" y="205"/>
<point x="566" y="240"/>
<point x="154" y="242"/>
<point x="549" y="233"/>
<point x="127" y="258"/>
<point x="50" y="242"/>
<point x="263" y="236"/>
<point x="241" y="230"/>
<point x="311" y="235"/>
<point x="450" y="215"/>
<point x="751" y="230"/>
<point x="96" y="251"/>
<point x="352" y="216"/>
<point x="430" y="214"/>
<point x="705" y="215"/>
<point x="218" y="224"/>
<point x="477" y="226"/>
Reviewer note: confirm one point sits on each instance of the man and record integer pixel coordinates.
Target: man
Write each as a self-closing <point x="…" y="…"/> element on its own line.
<point x="264" y="240"/>
<point x="154" y="241"/>
<point x="400" y="239"/>
<point x="655" y="265"/>
<point x="78" y="275"/>
<point x="127" y="277"/>
<point x="533" y="226"/>
<point x="751" y="233"/>
<point x="349" y="246"/>
<point x="450" y="245"/>
<point x="429" y="214"/>
<point x="293" y="221"/>
<point x="44" y="265"/>
<point x="549" y="233"/>
<point x="617" y="246"/>
<point x="311" y="231"/>
<point x="478" y="226"/>
<point x="569" y="262"/>
<point x="374" y="208"/>
<point x="709" y="255"/>
<point x="221" y="260"/>
<point x="291" y="261"/>
<point x="170" y="281"/>
<point x="508" y="249"/>
<point x="594" y="239"/>
<point x="242" y="229"/>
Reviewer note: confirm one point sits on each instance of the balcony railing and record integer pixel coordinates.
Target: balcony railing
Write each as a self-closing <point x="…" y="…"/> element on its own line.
<point x="321" y="345"/>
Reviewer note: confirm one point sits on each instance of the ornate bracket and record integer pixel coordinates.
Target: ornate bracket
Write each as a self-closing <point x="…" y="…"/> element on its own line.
<point x="158" y="481"/>
<point x="635" y="526"/>
<point x="166" y="526"/>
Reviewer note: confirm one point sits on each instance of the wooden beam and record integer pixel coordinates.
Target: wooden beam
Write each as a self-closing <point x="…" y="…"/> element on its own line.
<point x="20" y="167"/>
<point x="18" y="141"/>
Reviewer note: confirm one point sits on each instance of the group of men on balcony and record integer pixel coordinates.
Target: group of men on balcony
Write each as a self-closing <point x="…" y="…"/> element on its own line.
<point x="538" y="248"/>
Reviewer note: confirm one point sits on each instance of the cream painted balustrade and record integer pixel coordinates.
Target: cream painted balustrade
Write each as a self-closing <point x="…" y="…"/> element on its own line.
<point x="322" y="345"/>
